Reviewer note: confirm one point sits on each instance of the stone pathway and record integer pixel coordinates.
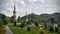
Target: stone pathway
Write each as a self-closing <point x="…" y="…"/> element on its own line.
<point x="8" y="31"/>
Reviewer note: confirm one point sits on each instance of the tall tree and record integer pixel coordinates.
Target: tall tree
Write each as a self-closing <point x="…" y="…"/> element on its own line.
<point x="18" y="19"/>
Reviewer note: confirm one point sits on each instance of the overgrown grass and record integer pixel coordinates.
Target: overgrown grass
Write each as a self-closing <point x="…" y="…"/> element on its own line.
<point x="17" y="30"/>
<point x="2" y="30"/>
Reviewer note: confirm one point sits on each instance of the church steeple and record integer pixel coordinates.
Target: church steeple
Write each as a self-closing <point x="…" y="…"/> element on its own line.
<point x="14" y="7"/>
<point x="14" y="15"/>
<point x="26" y="17"/>
<point x="14" y="12"/>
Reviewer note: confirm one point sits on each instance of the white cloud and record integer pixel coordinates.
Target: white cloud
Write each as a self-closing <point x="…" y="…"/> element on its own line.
<point x="32" y="1"/>
<point x="22" y="7"/>
<point x="22" y="2"/>
<point x="42" y="1"/>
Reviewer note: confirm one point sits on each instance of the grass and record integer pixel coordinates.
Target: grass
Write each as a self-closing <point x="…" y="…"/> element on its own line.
<point x="17" y="30"/>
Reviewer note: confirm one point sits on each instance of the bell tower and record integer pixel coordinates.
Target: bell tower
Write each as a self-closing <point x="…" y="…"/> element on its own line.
<point x="14" y="15"/>
<point x="14" y="12"/>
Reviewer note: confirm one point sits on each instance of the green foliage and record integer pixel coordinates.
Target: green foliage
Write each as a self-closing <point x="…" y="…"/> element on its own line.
<point x="41" y="32"/>
<point x="36" y="24"/>
<point x="28" y="28"/>
<point x="22" y="25"/>
<point x="15" y="23"/>
<point x="18" y="19"/>
<point x="51" y="29"/>
<point x="58" y="21"/>
<point x="56" y="29"/>
<point x="3" y="19"/>
<point x="17" y="30"/>
<point x="42" y="18"/>
<point x="1" y="23"/>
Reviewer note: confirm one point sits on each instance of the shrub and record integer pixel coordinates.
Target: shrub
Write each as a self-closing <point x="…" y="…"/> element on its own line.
<point x="2" y="28"/>
<point x="51" y="29"/>
<point x="56" y="29"/>
<point x="22" y="25"/>
<point x="59" y="31"/>
<point x="1" y="23"/>
<point x="36" y="24"/>
<point x="41" y="32"/>
<point x="28" y="28"/>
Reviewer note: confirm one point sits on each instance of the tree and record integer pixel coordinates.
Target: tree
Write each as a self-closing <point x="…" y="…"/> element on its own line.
<point x="51" y="29"/>
<point x="28" y="28"/>
<point x="18" y="19"/>
<point x="15" y="23"/>
<point x="22" y="24"/>
<point x="4" y="19"/>
<point x="1" y="23"/>
<point x="36" y="24"/>
<point x="56" y="29"/>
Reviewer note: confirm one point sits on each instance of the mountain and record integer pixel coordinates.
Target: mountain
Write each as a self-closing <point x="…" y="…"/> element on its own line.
<point x="37" y="18"/>
<point x="57" y="15"/>
<point x="31" y="17"/>
<point x="42" y="17"/>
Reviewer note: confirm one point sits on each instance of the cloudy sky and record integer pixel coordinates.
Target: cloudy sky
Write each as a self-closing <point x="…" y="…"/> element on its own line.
<point x="29" y="6"/>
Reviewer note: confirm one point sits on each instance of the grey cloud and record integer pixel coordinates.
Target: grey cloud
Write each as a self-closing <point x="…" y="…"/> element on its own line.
<point x="38" y="7"/>
<point x="56" y="4"/>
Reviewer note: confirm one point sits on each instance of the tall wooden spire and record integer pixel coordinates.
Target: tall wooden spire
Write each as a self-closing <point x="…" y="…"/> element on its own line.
<point x="14" y="15"/>
<point x="14" y="12"/>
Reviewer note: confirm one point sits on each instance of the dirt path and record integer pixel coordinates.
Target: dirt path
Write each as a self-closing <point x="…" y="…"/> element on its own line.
<point x="8" y="31"/>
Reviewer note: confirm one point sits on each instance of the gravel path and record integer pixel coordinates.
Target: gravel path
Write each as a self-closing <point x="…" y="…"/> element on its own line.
<point x="8" y="31"/>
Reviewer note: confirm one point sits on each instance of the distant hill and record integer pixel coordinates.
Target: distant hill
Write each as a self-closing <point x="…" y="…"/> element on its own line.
<point x="56" y="14"/>
<point x="42" y="17"/>
<point x="31" y="17"/>
<point x="37" y="18"/>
